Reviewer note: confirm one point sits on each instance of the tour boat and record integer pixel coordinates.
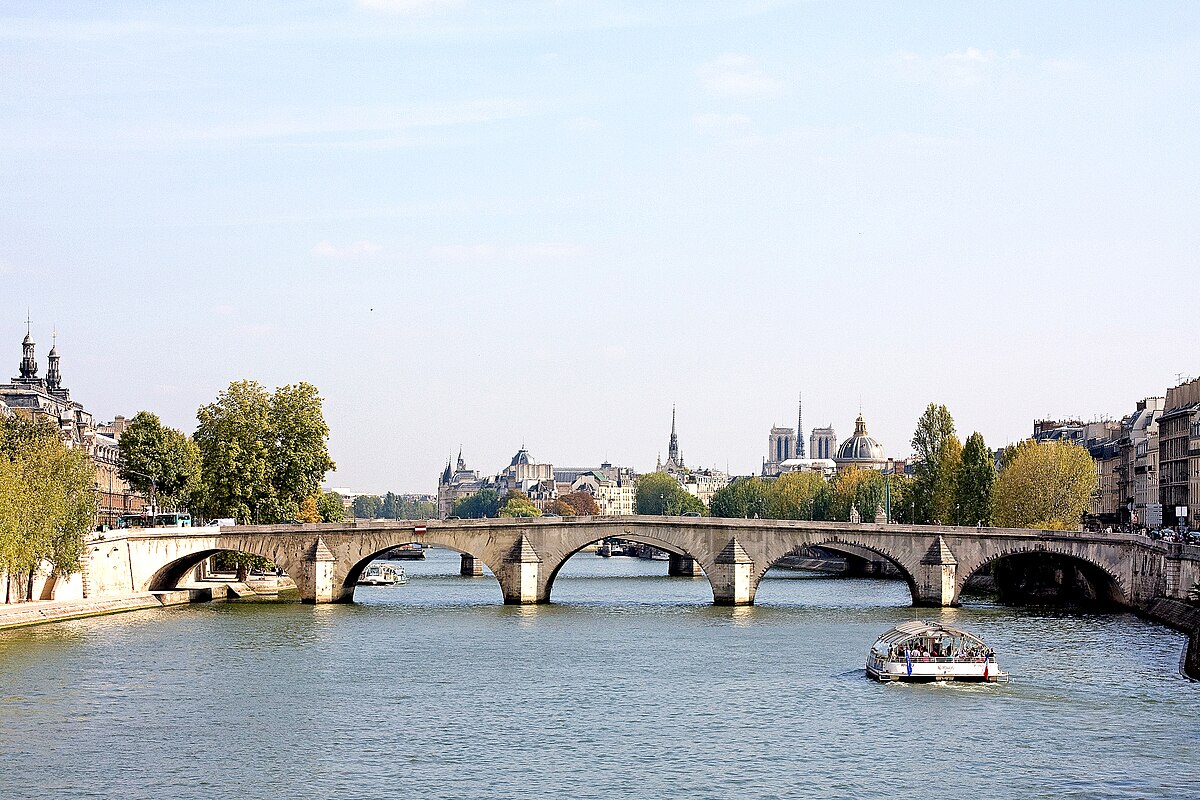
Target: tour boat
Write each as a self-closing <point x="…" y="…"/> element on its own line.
<point x="413" y="551"/>
<point x="926" y="651"/>
<point x="382" y="575"/>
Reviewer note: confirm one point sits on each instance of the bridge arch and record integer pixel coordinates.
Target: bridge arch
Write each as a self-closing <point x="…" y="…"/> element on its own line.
<point x="1104" y="582"/>
<point x="558" y="560"/>
<point x="355" y="570"/>
<point x="853" y="549"/>
<point x="169" y="576"/>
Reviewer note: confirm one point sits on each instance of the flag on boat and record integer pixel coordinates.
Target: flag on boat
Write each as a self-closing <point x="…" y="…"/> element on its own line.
<point x="908" y="661"/>
<point x="985" y="667"/>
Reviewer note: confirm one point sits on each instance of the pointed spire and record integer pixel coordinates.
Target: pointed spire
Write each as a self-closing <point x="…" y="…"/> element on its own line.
<point x="800" y="426"/>
<point x="673" y="456"/>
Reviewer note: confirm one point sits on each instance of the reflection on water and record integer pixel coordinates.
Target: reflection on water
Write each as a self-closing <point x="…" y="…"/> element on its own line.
<point x="630" y="684"/>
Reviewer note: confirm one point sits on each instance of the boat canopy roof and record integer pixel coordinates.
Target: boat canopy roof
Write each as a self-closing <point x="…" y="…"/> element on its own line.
<point x="923" y="630"/>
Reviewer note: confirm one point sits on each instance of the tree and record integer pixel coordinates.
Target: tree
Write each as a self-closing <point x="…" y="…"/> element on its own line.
<point x="159" y="460"/>
<point x="47" y="502"/>
<point x="582" y="504"/>
<point x="933" y="492"/>
<point x="367" y="506"/>
<point x="517" y="504"/>
<point x="261" y="454"/>
<point x="975" y="480"/>
<point x="1046" y="485"/>
<point x="944" y="502"/>
<point x="744" y="498"/>
<point x="560" y="508"/>
<point x="659" y="493"/>
<point x="902" y="497"/>
<point x="330" y="506"/>
<point x="793" y="495"/>
<point x="853" y="488"/>
<point x="484" y="503"/>
<point x="309" y="510"/>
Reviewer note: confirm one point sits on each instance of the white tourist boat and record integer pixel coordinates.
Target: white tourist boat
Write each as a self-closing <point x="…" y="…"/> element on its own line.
<point x="382" y="575"/>
<point x="925" y="651"/>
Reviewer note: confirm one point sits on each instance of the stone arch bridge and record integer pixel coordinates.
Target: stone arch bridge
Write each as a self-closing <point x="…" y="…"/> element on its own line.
<point x="525" y="555"/>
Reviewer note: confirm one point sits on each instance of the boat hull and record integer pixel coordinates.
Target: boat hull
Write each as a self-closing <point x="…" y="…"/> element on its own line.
<point x="931" y="671"/>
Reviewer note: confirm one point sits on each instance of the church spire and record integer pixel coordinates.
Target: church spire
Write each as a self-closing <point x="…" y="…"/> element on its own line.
<point x="53" y="376"/>
<point x="673" y="445"/>
<point x="800" y="426"/>
<point x="29" y="367"/>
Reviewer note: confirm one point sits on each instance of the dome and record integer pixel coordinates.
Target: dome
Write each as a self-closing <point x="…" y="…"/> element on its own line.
<point x="860" y="446"/>
<point x="522" y="457"/>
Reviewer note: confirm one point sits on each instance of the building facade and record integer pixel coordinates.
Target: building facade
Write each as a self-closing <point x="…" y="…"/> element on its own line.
<point x="614" y="488"/>
<point x="823" y="443"/>
<point x="47" y="398"/>
<point x="1175" y="460"/>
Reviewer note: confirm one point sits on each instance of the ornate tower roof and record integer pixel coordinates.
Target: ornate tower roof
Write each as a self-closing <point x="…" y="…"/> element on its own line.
<point x="53" y="375"/>
<point x="860" y="446"/>
<point x="29" y="367"/>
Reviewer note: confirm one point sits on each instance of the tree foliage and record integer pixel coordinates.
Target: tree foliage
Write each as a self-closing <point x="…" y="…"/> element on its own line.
<point x="934" y="445"/>
<point x="484" y="503"/>
<point x="793" y="495"/>
<point x="582" y="504"/>
<point x="741" y="499"/>
<point x="309" y="510"/>
<point x="47" y="501"/>
<point x="160" y="460"/>
<point x="330" y="507"/>
<point x="1046" y="485"/>
<point x="659" y="493"/>
<point x="517" y="504"/>
<point x="853" y="488"/>
<point x="397" y="506"/>
<point x="261" y="454"/>
<point x="368" y="506"/>
<point x="975" y="480"/>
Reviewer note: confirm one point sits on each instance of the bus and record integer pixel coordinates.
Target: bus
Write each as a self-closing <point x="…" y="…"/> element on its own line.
<point x="164" y="519"/>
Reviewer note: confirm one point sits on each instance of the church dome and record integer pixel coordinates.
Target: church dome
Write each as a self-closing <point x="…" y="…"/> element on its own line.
<point x="860" y="447"/>
<point x="522" y="457"/>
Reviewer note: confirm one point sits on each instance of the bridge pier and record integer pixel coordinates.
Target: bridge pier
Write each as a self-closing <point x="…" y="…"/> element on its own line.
<point x="679" y="566"/>
<point x="315" y="580"/>
<point x="521" y="572"/>
<point x="730" y="577"/>
<point x="470" y="566"/>
<point x="938" y="578"/>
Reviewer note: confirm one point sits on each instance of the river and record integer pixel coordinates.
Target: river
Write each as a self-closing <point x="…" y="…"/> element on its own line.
<point x="630" y="685"/>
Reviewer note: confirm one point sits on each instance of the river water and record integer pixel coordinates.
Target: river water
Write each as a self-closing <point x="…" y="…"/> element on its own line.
<point x="629" y="686"/>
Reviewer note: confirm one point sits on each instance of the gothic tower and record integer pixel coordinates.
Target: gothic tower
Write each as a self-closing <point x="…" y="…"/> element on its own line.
<point x="53" y="376"/>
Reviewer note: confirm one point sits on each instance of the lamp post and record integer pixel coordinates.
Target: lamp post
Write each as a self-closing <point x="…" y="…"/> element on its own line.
<point x="887" y="491"/>
<point x="153" y="491"/>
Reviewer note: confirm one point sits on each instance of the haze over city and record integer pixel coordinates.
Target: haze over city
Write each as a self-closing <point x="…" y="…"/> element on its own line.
<point x="544" y="224"/>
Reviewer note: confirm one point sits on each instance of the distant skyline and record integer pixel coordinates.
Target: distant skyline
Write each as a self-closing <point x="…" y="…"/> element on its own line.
<point x="487" y="224"/>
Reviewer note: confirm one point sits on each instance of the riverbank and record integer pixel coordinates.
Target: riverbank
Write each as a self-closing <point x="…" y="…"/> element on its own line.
<point x="1182" y="617"/>
<point x="39" y="612"/>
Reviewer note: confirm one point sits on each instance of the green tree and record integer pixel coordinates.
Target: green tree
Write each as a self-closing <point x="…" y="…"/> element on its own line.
<point x="659" y="493"/>
<point x="1046" y="485"/>
<point x="944" y="502"/>
<point x="793" y="495"/>
<point x="159" y="460"/>
<point x="47" y="503"/>
<point x="744" y="498"/>
<point x="861" y="489"/>
<point x="517" y="504"/>
<point x="331" y="508"/>
<point x="975" y="480"/>
<point x="902" y="498"/>
<point x="367" y="506"/>
<point x="484" y="503"/>
<point x="261" y="454"/>
<point x="935" y="471"/>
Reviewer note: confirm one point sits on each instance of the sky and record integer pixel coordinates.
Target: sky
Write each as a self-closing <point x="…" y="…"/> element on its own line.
<point x="546" y="222"/>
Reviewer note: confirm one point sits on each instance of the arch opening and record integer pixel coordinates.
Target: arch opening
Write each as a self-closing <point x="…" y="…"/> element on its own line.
<point x="839" y="560"/>
<point x="432" y="564"/>
<point x="207" y="568"/>
<point x="671" y="564"/>
<point x="1045" y="578"/>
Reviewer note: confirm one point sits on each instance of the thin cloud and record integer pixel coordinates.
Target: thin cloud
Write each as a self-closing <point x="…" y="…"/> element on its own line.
<point x="327" y="249"/>
<point x="407" y="6"/>
<point x="721" y="122"/>
<point x="537" y="251"/>
<point x="734" y="75"/>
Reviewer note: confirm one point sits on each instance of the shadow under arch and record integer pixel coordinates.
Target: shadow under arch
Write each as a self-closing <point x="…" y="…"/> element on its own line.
<point x="1050" y="577"/>
<point x="858" y="552"/>
<point x="652" y="541"/>
<point x="169" y="576"/>
<point x="356" y="571"/>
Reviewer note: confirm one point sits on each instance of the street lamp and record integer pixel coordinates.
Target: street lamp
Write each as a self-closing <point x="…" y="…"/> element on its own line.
<point x="153" y="491"/>
<point x="887" y="491"/>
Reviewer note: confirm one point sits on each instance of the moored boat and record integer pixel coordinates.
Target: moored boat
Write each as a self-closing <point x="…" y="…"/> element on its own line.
<point x="928" y="651"/>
